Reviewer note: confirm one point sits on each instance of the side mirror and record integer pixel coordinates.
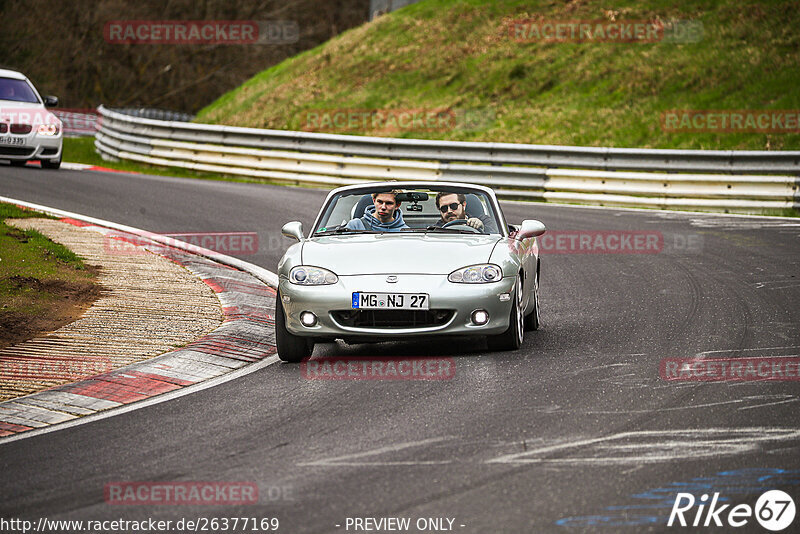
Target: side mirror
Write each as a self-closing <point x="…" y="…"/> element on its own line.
<point x="293" y="229"/>
<point x="50" y="101"/>
<point x="530" y="228"/>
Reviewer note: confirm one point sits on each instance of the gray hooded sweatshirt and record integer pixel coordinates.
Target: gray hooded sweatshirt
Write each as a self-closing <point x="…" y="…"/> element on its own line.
<point x="373" y="224"/>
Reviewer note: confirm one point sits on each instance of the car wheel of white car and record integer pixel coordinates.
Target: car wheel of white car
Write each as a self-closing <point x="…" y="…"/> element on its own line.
<point x="51" y="163"/>
<point x="512" y="338"/>
<point x="291" y="348"/>
<point x="532" y="320"/>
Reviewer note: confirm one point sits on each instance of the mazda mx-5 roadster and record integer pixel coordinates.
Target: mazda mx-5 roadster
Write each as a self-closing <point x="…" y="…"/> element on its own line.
<point x="395" y="260"/>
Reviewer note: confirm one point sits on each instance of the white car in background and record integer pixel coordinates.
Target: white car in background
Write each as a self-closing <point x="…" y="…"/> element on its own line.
<point x="28" y="131"/>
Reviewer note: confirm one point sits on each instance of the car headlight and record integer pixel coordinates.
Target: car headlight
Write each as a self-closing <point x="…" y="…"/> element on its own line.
<point x="477" y="274"/>
<point x="47" y="129"/>
<point x="311" y="276"/>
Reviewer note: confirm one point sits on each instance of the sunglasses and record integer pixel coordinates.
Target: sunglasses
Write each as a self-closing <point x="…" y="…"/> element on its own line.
<point x="452" y="206"/>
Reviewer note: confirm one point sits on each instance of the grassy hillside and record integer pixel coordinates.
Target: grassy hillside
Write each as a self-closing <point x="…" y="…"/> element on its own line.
<point x="457" y="55"/>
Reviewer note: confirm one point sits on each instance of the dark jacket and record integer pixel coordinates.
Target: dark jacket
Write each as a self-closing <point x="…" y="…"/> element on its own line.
<point x="489" y="226"/>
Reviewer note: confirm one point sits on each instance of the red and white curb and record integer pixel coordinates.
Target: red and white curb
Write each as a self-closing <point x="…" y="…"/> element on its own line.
<point x="87" y="167"/>
<point x="245" y="337"/>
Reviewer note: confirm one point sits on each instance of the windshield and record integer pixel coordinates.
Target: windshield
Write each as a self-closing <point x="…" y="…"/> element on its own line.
<point x="17" y="91"/>
<point x="410" y="210"/>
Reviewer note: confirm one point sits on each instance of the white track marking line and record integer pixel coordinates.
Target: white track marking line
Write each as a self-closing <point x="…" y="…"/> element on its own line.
<point x="694" y="443"/>
<point x="342" y="460"/>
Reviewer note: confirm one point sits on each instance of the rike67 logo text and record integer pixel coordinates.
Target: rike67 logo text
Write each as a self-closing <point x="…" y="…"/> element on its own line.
<point x="774" y="510"/>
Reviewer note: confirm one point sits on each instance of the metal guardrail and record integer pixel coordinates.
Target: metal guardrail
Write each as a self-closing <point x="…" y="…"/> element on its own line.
<point x="736" y="181"/>
<point x="157" y="114"/>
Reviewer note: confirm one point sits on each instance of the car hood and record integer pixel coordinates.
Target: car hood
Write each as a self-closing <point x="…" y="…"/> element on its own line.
<point x="17" y="104"/>
<point x="395" y="253"/>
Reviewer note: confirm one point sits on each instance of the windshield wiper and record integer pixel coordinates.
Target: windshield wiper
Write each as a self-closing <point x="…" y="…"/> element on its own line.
<point x="341" y="229"/>
<point x="449" y="230"/>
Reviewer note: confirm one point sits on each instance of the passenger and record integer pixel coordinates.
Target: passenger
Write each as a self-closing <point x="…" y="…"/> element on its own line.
<point x="453" y="206"/>
<point x="383" y="216"/>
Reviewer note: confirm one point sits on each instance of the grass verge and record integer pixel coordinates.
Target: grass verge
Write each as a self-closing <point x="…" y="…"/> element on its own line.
<point x="43" y="285"/>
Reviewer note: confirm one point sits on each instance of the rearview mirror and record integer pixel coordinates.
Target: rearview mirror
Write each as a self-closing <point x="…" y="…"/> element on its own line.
<point x="50" y="101"/>
<point x="411" y="196"/>
<point x="293" y="229"/>
<point x="530" y="228"/>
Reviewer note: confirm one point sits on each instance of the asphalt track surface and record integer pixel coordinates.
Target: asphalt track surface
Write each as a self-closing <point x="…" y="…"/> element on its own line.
<point x="574" y="432"/>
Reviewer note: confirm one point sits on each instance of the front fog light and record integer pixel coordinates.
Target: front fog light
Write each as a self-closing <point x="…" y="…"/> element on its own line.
<point x="480" y="317"/>
<point x="308" y="318"/>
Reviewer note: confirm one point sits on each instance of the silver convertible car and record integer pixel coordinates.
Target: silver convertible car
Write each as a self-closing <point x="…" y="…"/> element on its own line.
<point x="394" y="260"/>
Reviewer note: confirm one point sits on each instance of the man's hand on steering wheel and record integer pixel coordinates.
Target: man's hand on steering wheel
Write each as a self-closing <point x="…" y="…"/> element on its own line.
<point x="475" y="223"/>
<point x="464" y="222"/>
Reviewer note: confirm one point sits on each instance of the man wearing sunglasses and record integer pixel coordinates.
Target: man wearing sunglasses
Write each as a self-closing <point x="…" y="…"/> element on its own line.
<point x="453" y="206"/>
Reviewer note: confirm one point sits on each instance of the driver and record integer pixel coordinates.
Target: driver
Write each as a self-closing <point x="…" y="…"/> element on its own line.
<point x="383" y="216"/>
<point x="453" y="206"/>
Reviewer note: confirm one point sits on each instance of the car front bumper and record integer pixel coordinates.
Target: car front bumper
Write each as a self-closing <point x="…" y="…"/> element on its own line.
<point x="34" y="146"/>
<point x="459" y="300"/>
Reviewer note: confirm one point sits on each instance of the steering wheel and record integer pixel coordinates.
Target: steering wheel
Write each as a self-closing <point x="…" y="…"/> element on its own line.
<point x="461" y="222"/>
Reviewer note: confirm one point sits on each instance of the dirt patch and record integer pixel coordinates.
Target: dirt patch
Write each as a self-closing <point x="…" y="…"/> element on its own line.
<point x="68" y="300"/>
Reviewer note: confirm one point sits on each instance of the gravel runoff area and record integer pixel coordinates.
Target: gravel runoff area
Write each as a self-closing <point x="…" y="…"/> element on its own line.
<point x="149" y="305"/>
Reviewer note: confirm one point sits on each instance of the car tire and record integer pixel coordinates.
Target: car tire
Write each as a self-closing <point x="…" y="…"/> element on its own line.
<point x="533" y="320"/>
<point x="51" y="163"/>
<point x="512" y="338"/>
<point x="291" y="348"/>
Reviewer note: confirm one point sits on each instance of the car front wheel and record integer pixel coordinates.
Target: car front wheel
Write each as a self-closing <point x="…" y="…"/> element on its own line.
<point x="51" y="163"/>
<point x="511" y="339"/>
<point x="291" y="348"/>
<point x="532" y="320"/>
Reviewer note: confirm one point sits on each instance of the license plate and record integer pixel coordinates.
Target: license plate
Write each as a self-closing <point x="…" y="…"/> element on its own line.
<point x="12" y="141"/>
<point x="390" y="301"/>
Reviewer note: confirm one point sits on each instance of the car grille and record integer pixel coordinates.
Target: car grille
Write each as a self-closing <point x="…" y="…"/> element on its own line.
<point x="21" y="128"/>
<point x="392" y="318"/>
<point x="15" y="151"/>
